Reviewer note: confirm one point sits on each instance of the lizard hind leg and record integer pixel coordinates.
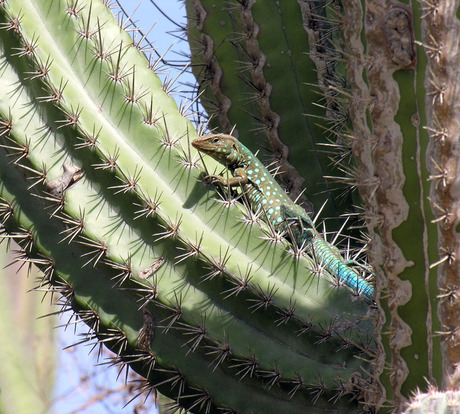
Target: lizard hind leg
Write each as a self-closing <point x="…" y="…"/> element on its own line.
<point x="352" y="262"/>
<point x="294" y="214"/>
<point x="300" y="228"/>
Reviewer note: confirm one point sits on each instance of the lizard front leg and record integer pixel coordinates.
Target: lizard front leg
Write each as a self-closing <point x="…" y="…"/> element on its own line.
<point x="239" y="179"/>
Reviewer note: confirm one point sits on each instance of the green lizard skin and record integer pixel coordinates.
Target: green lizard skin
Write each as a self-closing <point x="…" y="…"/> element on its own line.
<point x="265" y="195"/>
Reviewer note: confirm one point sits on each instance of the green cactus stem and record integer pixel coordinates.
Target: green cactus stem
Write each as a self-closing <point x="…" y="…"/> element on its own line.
<point x="434" y="401"/>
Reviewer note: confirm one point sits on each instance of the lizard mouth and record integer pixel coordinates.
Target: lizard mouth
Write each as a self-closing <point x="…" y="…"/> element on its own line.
<point x="201" y="145"/>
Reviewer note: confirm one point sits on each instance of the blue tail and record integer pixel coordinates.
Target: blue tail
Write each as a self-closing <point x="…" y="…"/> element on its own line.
<point x="304" y="233"/>
<point x="332" y="260"/>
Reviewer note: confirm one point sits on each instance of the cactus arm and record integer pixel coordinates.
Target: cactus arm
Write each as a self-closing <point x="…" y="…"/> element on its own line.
<point x="395" y="157"/>
<point x="28" y="354"/>
<point x="442" y="125"/>
<point x="119" y="314"/>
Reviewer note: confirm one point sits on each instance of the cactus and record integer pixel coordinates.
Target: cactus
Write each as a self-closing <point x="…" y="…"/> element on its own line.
<point x="28" y="345"/>
<point x="385" y="70"/>
<point x="101" y="190"/>
<point x="198" y="295"/>
<point x="434" y="401"/>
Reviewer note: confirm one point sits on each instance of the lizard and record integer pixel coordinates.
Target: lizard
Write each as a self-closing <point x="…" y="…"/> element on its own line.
<point x="265" y="194"/>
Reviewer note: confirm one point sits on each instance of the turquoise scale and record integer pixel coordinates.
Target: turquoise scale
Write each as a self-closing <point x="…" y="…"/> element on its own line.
<point x="332" y="260"/>
<point x="263" y="192"/>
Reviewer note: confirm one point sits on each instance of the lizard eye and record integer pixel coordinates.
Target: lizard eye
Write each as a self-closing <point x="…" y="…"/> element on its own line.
<point x="215" y="140"/>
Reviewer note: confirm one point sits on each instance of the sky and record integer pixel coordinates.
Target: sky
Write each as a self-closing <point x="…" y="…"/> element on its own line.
<point x="80" y="385"/>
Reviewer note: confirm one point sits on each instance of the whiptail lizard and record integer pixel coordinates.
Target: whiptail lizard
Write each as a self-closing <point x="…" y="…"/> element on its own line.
<point x="266" y="195"/>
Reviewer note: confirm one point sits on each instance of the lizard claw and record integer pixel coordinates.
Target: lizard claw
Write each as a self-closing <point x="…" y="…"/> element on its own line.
<point x="213" y="179"/>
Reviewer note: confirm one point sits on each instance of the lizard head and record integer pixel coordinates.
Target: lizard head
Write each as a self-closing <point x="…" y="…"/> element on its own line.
<point x="223" y="148"/>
